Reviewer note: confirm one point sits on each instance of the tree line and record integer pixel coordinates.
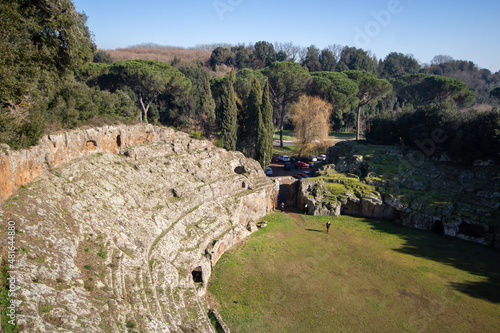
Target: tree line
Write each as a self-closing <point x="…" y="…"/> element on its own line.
<point x="52" y="77"/>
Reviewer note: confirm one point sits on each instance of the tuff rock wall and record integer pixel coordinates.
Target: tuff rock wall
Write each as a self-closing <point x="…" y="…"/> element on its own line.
<point x="124" y="242"/>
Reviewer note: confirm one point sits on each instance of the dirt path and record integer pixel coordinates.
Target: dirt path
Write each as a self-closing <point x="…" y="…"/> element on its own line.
<point x="297" y="218"/>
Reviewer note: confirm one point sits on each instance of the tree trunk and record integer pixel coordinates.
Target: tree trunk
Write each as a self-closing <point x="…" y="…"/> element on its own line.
<point x="145" y="109"/>
<point x="275" y="117"/>
<point x="283" y="106"/>
<point x="358" y="122"/>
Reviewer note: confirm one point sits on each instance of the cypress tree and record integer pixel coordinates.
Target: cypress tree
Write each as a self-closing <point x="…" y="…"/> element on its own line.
<point x="207" y="102"/>
<point x="254" y="104"/>
<point x="262" y="142"/>
<point x="267" y="117"/>
<point x="229" y="113"/>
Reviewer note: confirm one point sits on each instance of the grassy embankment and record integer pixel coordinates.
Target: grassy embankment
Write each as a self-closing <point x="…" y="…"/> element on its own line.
<point x="364" y="276"/>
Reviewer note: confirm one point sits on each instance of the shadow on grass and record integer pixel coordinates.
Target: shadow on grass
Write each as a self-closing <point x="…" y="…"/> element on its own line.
<point x="342" y="135"/>
<point x="473" y="258"/>
<point x="315" y="230"/>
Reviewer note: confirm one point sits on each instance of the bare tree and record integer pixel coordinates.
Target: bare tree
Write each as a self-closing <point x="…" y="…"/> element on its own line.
<point x="291" y="50"/>
<point x="336" y="50"/>
<point x="310" y="118"/>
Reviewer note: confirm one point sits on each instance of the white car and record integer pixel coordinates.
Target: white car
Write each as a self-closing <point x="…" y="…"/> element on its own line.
<point x="284" y="158"/>
<point x="322" y="157"/>
<point x="269" y="172"/>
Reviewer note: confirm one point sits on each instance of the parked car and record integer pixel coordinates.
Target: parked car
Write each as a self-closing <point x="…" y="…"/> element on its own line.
<point x="288" y="166"/>
<point x="322" y="157"/>
<point x="284" y="158"/>
<point x="269" y="172"/>
<point x="313" y="159"/>
<point x="275" y="159"/>
<point x="302" y="165"/>
<point x="294" y="159"/>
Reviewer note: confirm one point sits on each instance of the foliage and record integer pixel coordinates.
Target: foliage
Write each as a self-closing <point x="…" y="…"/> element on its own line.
<point x="148" y="79"/>
<point x="327" y="60"/>
<point x="102" y="57"/>
<point x="441" y="89"/>
<point x="249" y="130"/>
<point x="40" y="43"/>
<point x="47" y="79"/>
<point x="311" y="61"/>
<point x="199" y="103"/>
<point x="338" y="90"/>
<point x="219" y="56"/>
<point x="228" y="113"/>
<point x="76" y="103"/>
<point x="481" y="81"/>
<point x="352" y="58"/>
<point x="244" y="79"/>
<point x="496" y="93"/>
<point x="398" y="64"/>
<point x="264" y="54"/>
<point x="255" y="136"/>
<point x="370" y="90"/>
<point x="287" y="82"/>
<point x="310" y="117"/>
<point x="262" y="152"/>
<point x="267" y="118"/>
<point x="465" y="136"/>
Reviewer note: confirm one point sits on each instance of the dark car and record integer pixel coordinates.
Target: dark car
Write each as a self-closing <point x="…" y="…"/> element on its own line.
<point x="288" y="166"/>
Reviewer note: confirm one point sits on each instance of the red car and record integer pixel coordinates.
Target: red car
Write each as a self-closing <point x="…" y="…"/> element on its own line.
<point x="302" y="165"/>
<point x="275" y="159"/>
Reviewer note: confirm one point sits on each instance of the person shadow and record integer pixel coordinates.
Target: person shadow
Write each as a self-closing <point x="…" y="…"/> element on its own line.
<point x="316" y="230"/>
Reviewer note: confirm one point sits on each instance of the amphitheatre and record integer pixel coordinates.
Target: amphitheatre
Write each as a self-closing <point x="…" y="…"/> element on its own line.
<point x="119" y="227"/>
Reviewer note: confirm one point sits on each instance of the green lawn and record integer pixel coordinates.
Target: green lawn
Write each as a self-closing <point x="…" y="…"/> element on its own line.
<point x="286" y="150"/>
<point x="342" y="135"/>
<point x="287" y="135"/>
<point x="290" y="135"/>
<point x="364" y="276"/>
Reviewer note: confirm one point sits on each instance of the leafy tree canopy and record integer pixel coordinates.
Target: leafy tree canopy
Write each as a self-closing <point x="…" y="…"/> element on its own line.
<point x="440" y="89"/>
<point x="398" y="64"/>
<point x="336" y="88"/>
<point x="102" y="57"/>
<point x="496" y="93"/>
<point x="352" y="58"/>
<point x="287" y="82"/>
<point x="370" y="90"/>
<point x="149" y="78"/>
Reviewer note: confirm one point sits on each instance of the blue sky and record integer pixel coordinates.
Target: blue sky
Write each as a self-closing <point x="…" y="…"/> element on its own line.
<point x="467" y="30"/>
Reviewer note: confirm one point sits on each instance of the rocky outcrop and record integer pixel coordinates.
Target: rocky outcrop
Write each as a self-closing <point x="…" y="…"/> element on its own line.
<point x="19" y="167"/>
<point x="381" y="182"/>
<point x="126" y="242"/>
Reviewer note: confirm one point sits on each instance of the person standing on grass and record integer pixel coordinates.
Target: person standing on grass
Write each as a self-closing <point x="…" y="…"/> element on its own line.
<point x="282" y="206"/>
<point x="305" y="209"/>
<point x="328" y="224"/>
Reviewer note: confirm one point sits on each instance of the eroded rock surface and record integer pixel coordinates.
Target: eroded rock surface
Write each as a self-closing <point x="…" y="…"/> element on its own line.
<point x="383" y="182"/>
<point x="121" y="242"/>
